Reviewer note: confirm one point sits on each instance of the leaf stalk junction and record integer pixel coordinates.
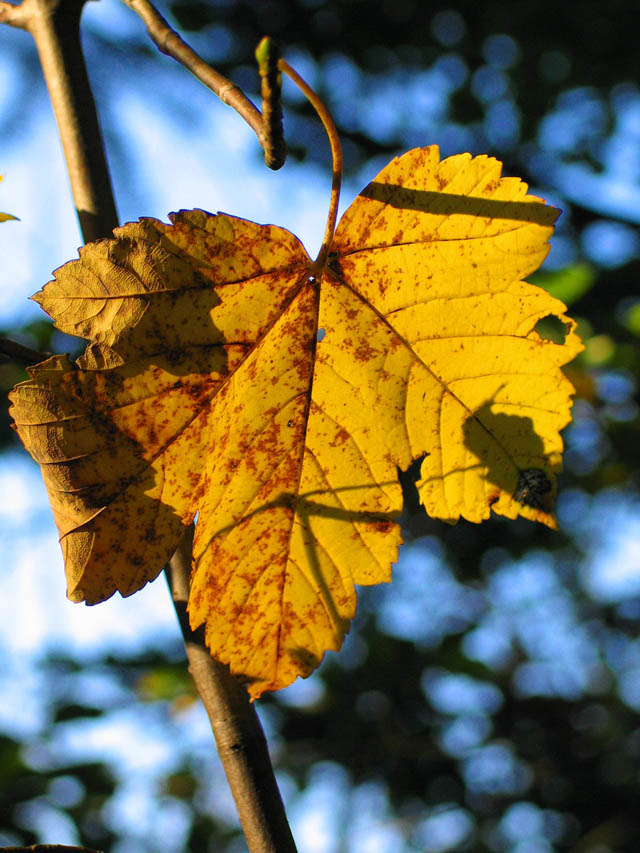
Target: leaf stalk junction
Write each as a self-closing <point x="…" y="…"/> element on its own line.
<point x="336" y="155"/>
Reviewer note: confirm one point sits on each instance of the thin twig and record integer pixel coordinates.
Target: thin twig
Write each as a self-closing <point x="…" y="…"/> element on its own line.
<point x="12" y="15"/>
<point x="242" y="746"/>
<point x="170" y="43"/>
<point x="17" y="352"/>
<point x="55" y="27"/>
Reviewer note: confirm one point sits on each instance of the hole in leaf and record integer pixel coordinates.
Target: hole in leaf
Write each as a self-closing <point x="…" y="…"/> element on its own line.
<point x="408" y="478"/>
<point x="552" y="329"/>
<point x="320" y="334"/>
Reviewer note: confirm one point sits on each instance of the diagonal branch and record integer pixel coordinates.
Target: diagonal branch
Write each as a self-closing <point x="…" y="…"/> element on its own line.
<point x="170" y="43"/>
<point x="266" y="125"/>
<point x="55" y="27"/>
<point x="241" y="743"/>
<point x="17" y="352"/>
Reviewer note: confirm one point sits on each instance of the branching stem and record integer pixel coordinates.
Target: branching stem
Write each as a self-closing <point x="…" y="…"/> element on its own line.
<point x="170" y="43"/>
<point x="12" y="15"/>
<point x="336" y="154"/>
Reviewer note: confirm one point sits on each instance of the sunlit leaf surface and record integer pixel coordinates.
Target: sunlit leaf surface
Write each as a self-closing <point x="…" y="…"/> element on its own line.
<point x="229" y="376"/>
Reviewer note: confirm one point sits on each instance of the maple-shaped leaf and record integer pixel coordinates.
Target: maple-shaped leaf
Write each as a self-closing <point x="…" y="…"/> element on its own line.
<point x="229" y="376"/>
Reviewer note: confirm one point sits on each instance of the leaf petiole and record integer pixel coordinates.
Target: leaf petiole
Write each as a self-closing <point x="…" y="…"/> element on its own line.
<point x="336" y="155"/>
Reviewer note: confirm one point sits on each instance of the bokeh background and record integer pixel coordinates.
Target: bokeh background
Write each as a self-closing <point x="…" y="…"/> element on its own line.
<point x="488" y="699"/>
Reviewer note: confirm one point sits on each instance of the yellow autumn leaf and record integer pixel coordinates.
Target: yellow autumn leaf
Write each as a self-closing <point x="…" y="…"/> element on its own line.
<point x="229" y="376"/>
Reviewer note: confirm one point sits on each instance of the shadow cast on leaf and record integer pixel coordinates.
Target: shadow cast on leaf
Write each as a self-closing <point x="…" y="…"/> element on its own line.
<point x="445" y="204"/>
<point x="518" y="464"/>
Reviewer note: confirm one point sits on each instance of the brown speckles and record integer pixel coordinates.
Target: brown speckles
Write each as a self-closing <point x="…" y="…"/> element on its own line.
<point x="193" y="479"/>
<point x="381" y="526"/>
<point x="364" y="352"/>
<point x="340" y="438"/>
<point x="351" y="314"/>
<point x="149" y="534"/>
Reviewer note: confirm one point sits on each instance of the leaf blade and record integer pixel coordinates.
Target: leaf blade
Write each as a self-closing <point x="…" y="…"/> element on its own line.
<point x="206" y="390"/>
<point x="439" y="249"/>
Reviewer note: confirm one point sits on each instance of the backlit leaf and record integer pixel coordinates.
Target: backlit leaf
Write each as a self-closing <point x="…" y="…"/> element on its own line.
<point x="229" y="376"/>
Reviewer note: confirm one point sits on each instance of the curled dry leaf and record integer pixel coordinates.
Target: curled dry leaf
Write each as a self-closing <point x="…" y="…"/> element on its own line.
<point x="229" y="376"/>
